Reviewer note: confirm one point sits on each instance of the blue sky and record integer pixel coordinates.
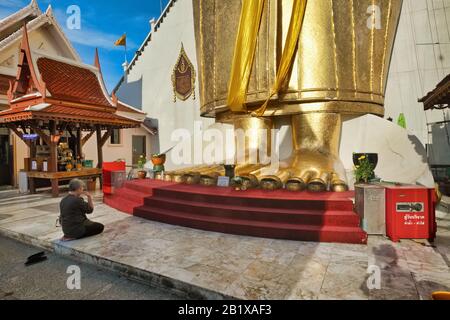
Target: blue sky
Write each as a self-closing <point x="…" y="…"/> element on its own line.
<point x="102" y="22"/>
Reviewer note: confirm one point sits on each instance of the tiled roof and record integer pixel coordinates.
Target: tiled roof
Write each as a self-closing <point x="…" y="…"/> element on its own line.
<point x="439" y="98"/>
<point x="122" y="107"/>
<point x="72" y="83"/>
<point x="4" y="83"/>
<point x="46" y="18"/>
<point x="63" y="113"/>
<point x="31" y="9"/>
<point x="9" y="38"/>
<point x="148" y="123"/>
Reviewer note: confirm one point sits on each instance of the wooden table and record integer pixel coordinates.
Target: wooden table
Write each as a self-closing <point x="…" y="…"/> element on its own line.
<point x="56" y="177"/>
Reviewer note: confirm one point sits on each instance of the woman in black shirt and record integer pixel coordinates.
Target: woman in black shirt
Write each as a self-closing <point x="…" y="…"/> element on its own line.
<point x="74" y="209"/>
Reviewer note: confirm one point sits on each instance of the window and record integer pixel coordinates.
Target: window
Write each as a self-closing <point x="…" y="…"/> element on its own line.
<point x="115" y="137"/>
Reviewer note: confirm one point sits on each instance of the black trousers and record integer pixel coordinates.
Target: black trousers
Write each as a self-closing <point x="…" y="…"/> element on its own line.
<point x="92" y="229"/>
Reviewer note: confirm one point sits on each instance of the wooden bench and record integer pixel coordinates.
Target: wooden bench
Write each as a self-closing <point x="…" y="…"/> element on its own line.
<point x="56" y="177"/>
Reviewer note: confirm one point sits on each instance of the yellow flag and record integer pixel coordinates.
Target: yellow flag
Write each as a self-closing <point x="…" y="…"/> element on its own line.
<point x="122" y="41"/>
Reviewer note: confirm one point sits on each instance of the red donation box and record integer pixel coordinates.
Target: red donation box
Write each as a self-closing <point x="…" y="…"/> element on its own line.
<point x="109" y="168"/>
<point x="410" y="213"/>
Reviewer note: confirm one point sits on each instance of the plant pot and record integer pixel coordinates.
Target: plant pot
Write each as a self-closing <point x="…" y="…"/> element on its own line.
<point x="158" y="168"/>
<point x="142" y="174"/>
<point x="159" y="160"/>
<point x="91" y="185"/>
<point x="230" y="171"/>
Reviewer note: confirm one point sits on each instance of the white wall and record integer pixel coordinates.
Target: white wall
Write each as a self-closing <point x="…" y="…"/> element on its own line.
<point x="153" y="72"/>
<point x="420" y="61"/>
<point x="112" y="153"/>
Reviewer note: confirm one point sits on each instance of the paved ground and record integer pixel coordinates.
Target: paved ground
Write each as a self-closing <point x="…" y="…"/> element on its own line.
<point x="48" y="280"/>
<point x="213" y="265"/>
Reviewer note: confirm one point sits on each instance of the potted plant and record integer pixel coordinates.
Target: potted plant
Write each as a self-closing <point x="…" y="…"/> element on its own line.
<point x="158" y="161"/>
<point x="142" y="174"/>
<point x="365" y="165"/>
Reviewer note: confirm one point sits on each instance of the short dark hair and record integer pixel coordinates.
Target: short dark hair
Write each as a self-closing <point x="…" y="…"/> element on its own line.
<point x="76" y="184"/>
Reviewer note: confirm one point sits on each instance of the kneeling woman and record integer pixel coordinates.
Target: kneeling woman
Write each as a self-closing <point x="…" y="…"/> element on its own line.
<point x="74" y="209"/>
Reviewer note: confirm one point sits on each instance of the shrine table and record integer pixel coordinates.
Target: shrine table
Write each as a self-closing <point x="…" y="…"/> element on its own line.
<point x="56" y="177"/>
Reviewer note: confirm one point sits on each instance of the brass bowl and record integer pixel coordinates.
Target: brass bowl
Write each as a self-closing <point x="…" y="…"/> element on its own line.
<point x="191" y="178"/>
<point x="270" y="184"/>
<point x="178" y="178"/>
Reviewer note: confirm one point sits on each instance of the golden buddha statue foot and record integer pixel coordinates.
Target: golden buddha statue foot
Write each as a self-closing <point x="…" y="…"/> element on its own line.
<point x="315" y="165"/>
<point x="307" y="170"/>
<point x="316" y="172"/>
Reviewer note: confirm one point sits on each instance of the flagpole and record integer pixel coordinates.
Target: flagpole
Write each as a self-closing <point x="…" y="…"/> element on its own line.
<point x="126" y="58"/>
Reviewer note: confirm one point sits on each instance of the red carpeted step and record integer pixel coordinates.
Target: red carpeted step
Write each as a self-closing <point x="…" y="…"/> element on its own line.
<point x="125" y="199"/>
<point x="326" y="217"/>
<point x="121" y="204"/>
<point x="255" y="228"/>
<point x="258" y="198"/>
<point x="295" y="216"/>
<point x="146" y="185"/>
<point x="131" y="194"/>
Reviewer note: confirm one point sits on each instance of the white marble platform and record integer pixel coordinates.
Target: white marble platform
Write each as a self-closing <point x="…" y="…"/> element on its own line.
<point x="215" y="266"/>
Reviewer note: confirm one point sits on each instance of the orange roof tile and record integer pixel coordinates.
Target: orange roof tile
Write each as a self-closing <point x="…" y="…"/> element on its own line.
<point x="71" y="83"/>
<point x="63" y="113"/>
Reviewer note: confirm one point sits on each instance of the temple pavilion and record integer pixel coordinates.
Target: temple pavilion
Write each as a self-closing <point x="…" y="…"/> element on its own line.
<point x="54" y="97"/>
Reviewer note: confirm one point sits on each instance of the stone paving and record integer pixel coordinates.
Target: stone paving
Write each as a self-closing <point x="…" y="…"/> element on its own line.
<point x="215" y="266"/>
<point x="48" y="280"/>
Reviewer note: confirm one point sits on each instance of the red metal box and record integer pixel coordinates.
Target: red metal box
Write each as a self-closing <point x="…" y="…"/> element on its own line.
<point x="410" y="213"/>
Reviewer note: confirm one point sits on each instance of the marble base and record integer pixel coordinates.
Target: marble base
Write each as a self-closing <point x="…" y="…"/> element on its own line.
<point x="207" y="265"/>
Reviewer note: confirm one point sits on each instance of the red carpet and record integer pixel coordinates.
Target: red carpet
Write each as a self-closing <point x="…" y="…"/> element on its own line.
<point x="132" y="195"/>
<point x="324" y="217"/>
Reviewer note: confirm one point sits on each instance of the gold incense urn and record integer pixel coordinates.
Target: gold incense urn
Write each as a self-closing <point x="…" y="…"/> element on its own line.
<point x="339" y="67"/>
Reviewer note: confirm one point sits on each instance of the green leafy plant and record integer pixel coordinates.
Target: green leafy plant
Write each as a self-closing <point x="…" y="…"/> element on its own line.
<point x="402" y="121"/>
<point x="364" y="171"/>
<point x="141" y="162"/>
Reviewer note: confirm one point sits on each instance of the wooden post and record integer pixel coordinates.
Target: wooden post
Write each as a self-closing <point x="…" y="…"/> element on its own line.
<point x="55" y="187"/>
<point x="99" y="146"/>
<point x="79" y="143"/>
<point x="101" y="140"/>
<point x="33" y="147"/>
<point x="53" y="163"/>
